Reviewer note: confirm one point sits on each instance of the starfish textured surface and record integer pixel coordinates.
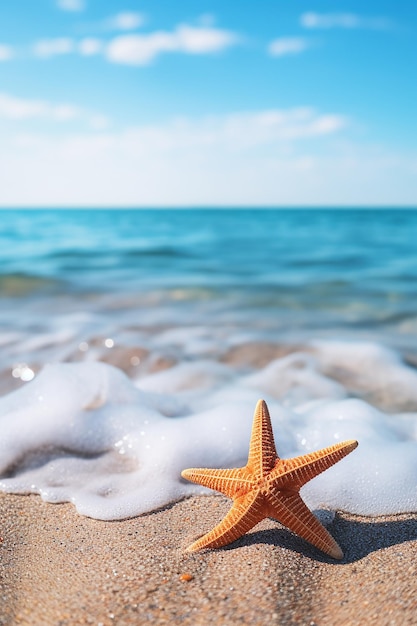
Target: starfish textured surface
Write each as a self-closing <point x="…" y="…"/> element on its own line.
<point x="269" y="487"/>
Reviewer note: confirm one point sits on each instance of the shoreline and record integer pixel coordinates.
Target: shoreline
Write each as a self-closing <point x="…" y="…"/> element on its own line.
<point x="57" y="567"/>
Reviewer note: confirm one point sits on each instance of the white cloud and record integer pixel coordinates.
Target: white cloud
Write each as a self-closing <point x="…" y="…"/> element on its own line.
<point x="274" y="157"/>
<point x="14" y="108"/>
<point x="137" y="49"/>
<point x="287" y="45"/>
<point x="264" y="157"/>
<point x="133" y="169"/>
<point x="6" y="52"/>
<point x="46" y="48"/>
<point x="128" y="20"/>
<point x="63" y="112"/>
<point x="17" y="109"/>
<point x="71" y="5"/>
<point x="242" y="130"/>
<point x="229" y="133"/>
<point x="21" y="109"/>
<point x="202" y="40"/>
<point x="90" y="46"/>
<point x="142" y="49"/>
<point x="342" y="20"/>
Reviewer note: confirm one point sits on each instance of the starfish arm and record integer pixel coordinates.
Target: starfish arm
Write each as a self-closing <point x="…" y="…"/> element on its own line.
<point x="245" y="513"/>
<point x="262" y="450"/>
<point x="289" y="509"/>
<point x="298" y="471"/>
<point x="228" y="481"/>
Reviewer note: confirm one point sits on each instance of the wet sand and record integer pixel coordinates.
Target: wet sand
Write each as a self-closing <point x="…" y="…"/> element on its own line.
<point x="58" y="568"/>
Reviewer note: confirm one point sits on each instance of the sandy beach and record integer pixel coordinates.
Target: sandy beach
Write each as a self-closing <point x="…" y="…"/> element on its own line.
<point x="57" y="567"/>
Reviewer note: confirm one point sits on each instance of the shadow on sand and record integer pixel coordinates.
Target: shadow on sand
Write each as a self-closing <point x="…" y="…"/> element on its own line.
<point x="357" y="536"/>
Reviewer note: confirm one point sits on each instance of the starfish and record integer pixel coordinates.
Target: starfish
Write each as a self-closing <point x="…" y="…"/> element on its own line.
<point x="268" y="487"/>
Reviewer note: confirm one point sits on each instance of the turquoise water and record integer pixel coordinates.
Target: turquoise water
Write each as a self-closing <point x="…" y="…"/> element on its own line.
<point x="271" y="274"/>
<point x="340" y="260"/>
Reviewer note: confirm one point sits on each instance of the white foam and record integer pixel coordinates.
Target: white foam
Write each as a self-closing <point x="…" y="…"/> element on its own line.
<point x="86" y="434"/>
<point x="294" y="379"/>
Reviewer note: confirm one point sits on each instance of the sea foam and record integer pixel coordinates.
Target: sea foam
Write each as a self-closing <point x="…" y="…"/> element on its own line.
<point x="87" y="434"/>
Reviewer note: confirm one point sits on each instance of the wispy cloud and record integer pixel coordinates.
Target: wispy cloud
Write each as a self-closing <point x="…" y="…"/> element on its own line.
<point x="287" y="45"/>
<point x="90" y="46"/>
<point x="285" y="168"/>
<point x="343" y="20"/>
<point x="142" y="49"/>
<point x="71" y="5"/>
<point x="46" y="48"/>
<point x="232" y="132"/>
<point x="136" y="49"/>
<point x="238" y="130"/>
<point x="21" y="109"/>
<point x="6" y="52"/>
<point x="233" y="158"/>
<point x="127" y="20"/>
<point x="14" y="108"/>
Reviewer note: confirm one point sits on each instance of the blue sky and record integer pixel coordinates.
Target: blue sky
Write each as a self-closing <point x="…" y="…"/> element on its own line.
<point x="162" y="103"/>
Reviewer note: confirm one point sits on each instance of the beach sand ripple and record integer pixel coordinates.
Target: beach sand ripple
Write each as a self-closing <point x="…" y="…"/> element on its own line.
<point x="57" y="567"/>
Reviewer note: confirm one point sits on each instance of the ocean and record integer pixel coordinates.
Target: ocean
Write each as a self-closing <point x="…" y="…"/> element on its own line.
<point x="135" y="343"/>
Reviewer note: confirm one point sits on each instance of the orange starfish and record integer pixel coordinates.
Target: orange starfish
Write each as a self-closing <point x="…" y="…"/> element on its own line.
<point x="269" y="487"/>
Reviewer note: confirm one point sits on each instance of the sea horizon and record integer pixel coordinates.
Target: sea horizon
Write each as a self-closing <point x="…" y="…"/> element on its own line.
<point x="208" y="207"/>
